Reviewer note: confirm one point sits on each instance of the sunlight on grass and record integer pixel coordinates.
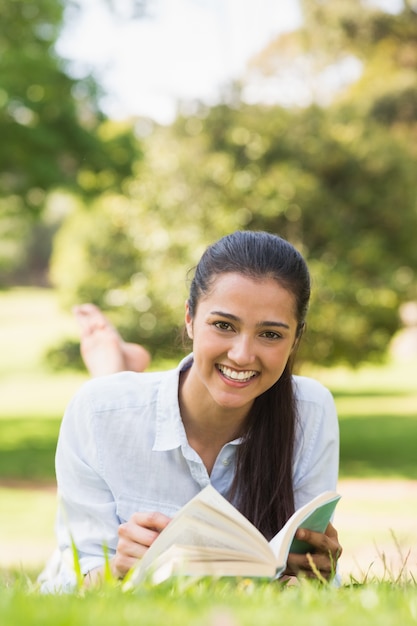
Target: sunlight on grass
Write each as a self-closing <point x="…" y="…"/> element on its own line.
<point x="210" y="602"/>
<point x="391" y="378"/>
<point x="45" y="394"/>
<point x="377" y="408"/>
<point x="376" y="524"/>
<point x="382" y="406"/>
<point x="30" y="321"/>
<point x="215" y="603"/>
<point x="26" y="526"/>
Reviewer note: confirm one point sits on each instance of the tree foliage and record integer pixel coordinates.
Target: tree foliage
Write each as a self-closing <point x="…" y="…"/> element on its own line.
<point x="51" y="127"/>
<point x="316" y="178"/>
<point x="53" y="134"/>
<point x="385" y="44"/>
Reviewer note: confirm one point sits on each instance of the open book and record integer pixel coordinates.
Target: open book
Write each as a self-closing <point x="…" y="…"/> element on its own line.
<point x="210" y="537"/>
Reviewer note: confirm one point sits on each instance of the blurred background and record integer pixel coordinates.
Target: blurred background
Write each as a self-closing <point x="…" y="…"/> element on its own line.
<point x="133" y="134"/>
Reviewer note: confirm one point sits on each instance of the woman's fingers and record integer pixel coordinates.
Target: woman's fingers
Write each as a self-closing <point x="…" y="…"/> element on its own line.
<point x="135" y="537"/>
<point x="325" y="543"/>
<point x="323" y="556"/>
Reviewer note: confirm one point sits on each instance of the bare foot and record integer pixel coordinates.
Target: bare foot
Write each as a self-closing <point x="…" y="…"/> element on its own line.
<point x="102" y="348"/>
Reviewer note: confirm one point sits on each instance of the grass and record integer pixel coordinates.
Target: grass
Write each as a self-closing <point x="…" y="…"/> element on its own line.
<point x="383" y="446"/>
<point x="216" y="603"/>
<point x="26" y="528"/>
<point x="27" y="448"/>
<point x="377" y="407"/>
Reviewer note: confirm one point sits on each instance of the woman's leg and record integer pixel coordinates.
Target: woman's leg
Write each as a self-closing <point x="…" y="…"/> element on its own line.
<point x="102" y="348"/>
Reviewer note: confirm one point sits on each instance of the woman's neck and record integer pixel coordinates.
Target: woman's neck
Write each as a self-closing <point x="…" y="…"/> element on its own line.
<point x="208" y="427"/>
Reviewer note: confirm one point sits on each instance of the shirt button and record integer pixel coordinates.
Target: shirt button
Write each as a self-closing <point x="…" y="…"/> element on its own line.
<point x="226" y="462"/>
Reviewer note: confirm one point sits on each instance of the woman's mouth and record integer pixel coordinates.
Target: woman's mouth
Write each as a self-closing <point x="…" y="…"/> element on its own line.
<point x="241" y="376"/>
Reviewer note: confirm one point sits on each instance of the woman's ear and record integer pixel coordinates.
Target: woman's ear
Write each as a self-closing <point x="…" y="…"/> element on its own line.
<point x="295" y="344"/>
<point x="188" y="320"/>
<point x="297" y="340"/>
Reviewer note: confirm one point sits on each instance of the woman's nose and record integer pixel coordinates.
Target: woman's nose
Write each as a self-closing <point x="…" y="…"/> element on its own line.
<point x="241" y="351"/>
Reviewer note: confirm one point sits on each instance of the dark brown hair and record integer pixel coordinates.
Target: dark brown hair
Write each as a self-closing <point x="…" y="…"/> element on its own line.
<point x="262" y="486"/>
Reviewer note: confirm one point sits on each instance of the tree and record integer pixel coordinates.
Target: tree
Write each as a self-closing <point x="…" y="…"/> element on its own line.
<point x="53" y="132"/>
<point x="51" y="127"/>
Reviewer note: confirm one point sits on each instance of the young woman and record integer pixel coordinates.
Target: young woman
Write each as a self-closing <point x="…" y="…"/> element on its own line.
<point x="135" y="447"/>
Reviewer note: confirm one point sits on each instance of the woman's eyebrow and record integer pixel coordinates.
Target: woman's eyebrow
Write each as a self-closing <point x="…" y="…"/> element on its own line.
<point x="228" y="316"/>
<point x="263" y="324"/>
<point x="278" y="324"/>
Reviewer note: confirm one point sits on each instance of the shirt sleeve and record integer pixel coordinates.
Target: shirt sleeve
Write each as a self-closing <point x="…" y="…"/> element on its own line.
<point x="86" y="519"/>
<point x="316" y="464"/>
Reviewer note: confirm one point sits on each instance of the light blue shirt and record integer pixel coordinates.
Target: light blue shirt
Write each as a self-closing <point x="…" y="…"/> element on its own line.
<point x="122" y="449"/>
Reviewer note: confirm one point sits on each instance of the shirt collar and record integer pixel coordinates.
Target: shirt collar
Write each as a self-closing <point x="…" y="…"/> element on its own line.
<point x="170" y="433"/>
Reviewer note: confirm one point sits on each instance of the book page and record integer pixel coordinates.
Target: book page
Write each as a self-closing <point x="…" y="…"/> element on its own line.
<point x="199" y="523"/>
<point x="180" y="561"/>
<point x="239" y="531"/>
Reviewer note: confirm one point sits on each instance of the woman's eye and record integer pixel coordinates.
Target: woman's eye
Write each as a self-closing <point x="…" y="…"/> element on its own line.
<point x="222" y="325"/>
<point x="270" y="334"/>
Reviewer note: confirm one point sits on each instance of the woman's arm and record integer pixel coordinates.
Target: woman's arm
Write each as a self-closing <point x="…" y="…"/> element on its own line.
<point x="87" y="517"/>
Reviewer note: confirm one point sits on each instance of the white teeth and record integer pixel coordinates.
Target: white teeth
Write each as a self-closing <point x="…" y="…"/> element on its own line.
<point x="234" y="375"/>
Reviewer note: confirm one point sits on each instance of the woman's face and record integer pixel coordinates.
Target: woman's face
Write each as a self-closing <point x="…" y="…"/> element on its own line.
<point x="243" y="332"/>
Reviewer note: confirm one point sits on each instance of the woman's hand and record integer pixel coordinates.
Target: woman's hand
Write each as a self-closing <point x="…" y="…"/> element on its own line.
<point x="135" y="537"/>
<point x="325" y="553"/>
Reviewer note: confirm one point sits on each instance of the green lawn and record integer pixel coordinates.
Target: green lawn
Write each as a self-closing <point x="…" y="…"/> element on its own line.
<point x="377" y="408"/>
<point x="216" y="603"/>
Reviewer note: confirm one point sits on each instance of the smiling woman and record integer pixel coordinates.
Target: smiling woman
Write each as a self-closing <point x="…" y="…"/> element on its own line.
<point x="238" y="353"/>
<point x="135" y="447"/>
